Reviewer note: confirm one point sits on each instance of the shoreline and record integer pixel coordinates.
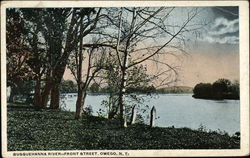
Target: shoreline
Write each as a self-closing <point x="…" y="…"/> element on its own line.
<point x="30" y="129"/>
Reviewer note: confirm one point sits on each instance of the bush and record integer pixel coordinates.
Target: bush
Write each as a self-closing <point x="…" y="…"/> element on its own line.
<point x="68" y="86"/>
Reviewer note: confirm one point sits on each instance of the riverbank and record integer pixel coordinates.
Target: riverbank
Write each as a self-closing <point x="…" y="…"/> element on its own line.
<point x="47" y="129"/>
<point x="217" y="97"/>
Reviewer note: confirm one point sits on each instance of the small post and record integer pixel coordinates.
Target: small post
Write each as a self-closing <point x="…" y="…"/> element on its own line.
<point x="152" y="116"/>
<point x="125" y="119"/>
<point x="133" y="115"/>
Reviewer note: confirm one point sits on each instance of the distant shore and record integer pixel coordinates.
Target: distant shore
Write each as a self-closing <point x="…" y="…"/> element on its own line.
<point x="165" y="90"/>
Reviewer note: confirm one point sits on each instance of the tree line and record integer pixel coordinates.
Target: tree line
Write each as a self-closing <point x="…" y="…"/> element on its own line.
<point x="220" y="89"/>
<point x="68" y="86"/>
<point x="106" y="46"/>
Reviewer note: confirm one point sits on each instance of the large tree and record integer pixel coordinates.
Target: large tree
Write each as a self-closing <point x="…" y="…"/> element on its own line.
<point x="36" y="44"/>
<point x="137" y="35"/>
<point x="56" y="25"/>
<point x="93" y="60"/>
<point x="73" y="37"/>
<point x="43" y="39"/>
<point x="80" y="55"/>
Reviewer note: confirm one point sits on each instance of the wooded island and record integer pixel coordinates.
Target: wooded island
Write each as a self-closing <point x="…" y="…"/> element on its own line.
<point x="220" y="89"/>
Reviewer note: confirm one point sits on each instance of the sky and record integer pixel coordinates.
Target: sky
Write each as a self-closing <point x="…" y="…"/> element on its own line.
<point x="215" y="54"/>
<point x="213" y="51"/>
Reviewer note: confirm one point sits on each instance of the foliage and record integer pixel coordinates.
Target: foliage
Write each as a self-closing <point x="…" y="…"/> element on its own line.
<point x="220" y="89"/>
<point x="175" y="89"/>
<point x="29" y="129"/>
<point x="88" y="110"/>
<point x="68" y="86"/>
<point x="221" y="86"/>
<point x="203" y="89"/>
<point x="137" y="83"/>
<point x="39" y="41"/>
<point x="234" y="89"/>
<point x="22" y="91"/>
<point x="138" y="80"/>
<point x="94" y="88"/>
<point x="23" y="88"/>
<point x="17" y="50"/>
<point x="34" y="36"/>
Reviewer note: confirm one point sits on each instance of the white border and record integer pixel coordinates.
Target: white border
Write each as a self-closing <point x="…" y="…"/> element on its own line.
<point x="244" y="71"/>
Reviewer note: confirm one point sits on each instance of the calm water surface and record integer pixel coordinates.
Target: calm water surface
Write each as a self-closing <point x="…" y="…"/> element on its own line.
<point x="180" y="110"/>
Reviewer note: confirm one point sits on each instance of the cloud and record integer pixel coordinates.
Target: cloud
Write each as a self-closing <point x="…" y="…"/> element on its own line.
<point x="222" y="26"/>
<point x="224" y="40"/>
<point x="222" y="31"/>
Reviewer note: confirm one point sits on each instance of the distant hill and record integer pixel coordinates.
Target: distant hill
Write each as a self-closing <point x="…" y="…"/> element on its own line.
<point x="175" y="89"/>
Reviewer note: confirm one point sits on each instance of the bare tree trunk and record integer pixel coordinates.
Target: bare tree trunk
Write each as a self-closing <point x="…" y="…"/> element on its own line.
<point x="133" y="115"/>
<point x="57" y="78"/>
<point x="123" y="121"/>
<point x="59" y="69"/>
<point x="37" y="96"/>
<point x="80" y="103"/>
<point x="55" y="100"/>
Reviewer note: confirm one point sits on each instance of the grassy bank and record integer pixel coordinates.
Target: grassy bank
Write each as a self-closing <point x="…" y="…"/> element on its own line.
<point x="29" y="129"/>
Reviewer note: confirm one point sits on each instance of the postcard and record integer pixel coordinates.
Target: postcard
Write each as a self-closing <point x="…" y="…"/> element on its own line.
<point x="124" y="78"/>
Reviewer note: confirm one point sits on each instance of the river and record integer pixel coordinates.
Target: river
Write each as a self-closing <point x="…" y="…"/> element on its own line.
<point x="179" y="110"/>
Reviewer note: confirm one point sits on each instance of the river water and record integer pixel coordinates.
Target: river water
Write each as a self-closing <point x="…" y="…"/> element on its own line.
<point x="179" y="110"/>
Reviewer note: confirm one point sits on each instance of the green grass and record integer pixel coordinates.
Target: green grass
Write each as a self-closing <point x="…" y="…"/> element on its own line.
<point x="46" y="129"/>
